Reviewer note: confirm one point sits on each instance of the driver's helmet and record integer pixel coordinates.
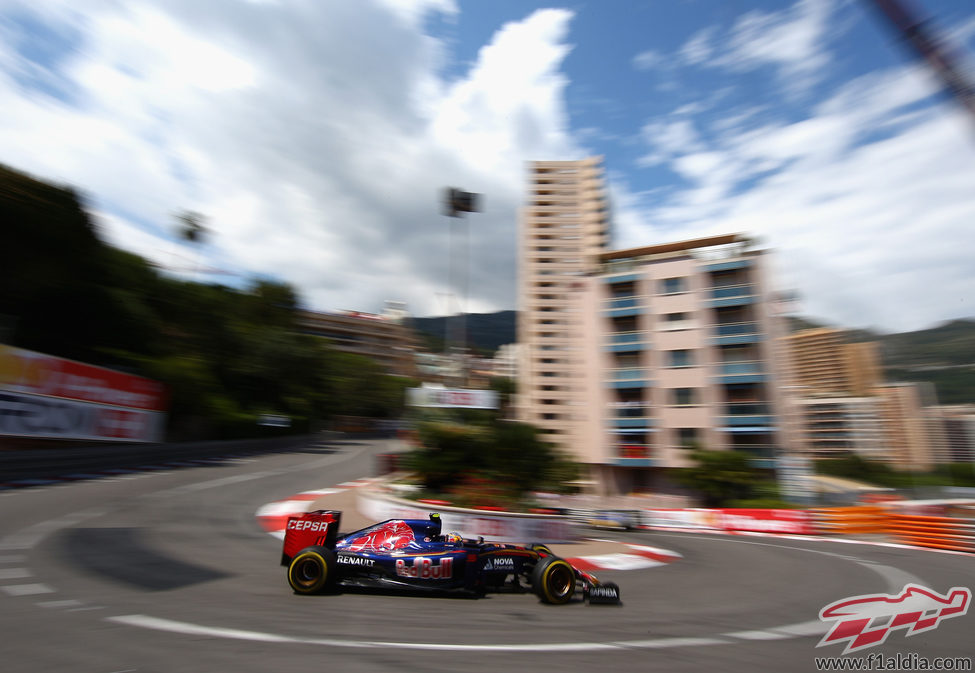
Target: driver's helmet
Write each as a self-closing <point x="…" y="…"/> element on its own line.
<point x="453" y="538"/>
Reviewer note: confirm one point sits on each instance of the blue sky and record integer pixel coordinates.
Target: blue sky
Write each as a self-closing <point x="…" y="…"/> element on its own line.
<point x="314" y="137"/>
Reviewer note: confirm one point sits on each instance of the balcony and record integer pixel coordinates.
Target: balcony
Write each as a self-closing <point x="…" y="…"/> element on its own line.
<point x="748" y="415"/>
<point x="621" y="307"/>
<point x="638" y="425"/>
<point x="628" y="278"/>
<point x="747" y="371"/>
<point x="629" y="409"/>
<point x="726" y="334"/>
<point x="627" y="377"/>
<point x="747" y="409"/>
<point x="620" y="342"/>
<point x="729" y="265"/>
<point x="622" y="302"/>
<point x="732" y="295"/>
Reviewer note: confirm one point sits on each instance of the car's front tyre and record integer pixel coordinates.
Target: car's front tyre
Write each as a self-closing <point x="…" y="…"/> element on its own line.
<point x="312" y="571"/>
<point x="554" y="580"/>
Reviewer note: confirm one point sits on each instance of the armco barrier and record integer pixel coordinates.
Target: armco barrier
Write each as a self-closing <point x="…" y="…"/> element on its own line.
<point x="501" y="526"/>
<point x="940" y="532"/>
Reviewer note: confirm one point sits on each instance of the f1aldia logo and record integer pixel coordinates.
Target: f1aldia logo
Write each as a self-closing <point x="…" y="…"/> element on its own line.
<point x="425" y="569"/>
<point x="865" y="621"/>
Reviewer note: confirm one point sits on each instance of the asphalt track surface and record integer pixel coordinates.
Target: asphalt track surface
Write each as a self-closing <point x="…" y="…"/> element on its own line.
<point x="169" y="571"/>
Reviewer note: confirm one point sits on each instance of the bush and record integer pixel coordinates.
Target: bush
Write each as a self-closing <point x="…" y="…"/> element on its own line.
<point x="487" y="459"/>
<point x="722" y="477"/>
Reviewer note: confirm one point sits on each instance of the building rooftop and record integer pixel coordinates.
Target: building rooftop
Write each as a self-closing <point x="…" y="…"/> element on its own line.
<point x="678" y="246"/>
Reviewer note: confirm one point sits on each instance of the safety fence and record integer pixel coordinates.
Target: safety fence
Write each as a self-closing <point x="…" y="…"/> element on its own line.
<point x="931" y="529"/>
<point x="940" y="532"/>
<point x="954" y="533"/>
<point x="863" y="520"/>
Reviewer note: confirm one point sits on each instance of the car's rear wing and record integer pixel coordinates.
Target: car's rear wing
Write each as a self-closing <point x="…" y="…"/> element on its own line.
<point x="311" y="529"/>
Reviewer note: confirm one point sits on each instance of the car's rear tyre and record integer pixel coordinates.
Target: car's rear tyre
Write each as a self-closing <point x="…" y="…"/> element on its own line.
<point x="554" y="580"/>
<point x="312" y="571"/>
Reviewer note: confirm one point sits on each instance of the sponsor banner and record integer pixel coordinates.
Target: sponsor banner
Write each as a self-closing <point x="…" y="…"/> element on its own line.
<point x="789" y="521"/>
<point x="26" y="415"/>
<point x="678" y="518"/>
<point x="499" y="527"/>
<point x="23" y="371"/>
<point x="446" y="398"/>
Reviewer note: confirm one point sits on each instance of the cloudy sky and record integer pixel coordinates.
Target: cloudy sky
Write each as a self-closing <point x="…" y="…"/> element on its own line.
<point x="315" y="137"/>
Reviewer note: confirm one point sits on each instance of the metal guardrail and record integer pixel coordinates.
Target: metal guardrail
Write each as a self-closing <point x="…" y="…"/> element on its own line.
<point x="939" y="532"/>
<point x="850" y="520"/>
<point x="936" y="532"/>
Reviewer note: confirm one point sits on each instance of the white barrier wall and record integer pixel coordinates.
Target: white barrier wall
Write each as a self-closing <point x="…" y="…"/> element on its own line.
<point x="786" y="521"/>
<point x="493" y="526"/>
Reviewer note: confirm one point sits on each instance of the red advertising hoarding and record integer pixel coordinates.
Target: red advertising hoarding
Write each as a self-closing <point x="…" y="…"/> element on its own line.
<point x="783" y="521"/>
<point x="46" y="396"/>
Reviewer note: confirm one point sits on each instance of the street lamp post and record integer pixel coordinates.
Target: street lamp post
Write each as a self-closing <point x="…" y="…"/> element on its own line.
<point x="456" y="203"/>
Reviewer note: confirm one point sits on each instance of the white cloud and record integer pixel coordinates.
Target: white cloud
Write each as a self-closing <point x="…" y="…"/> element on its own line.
<point x="647" y="60"/>
<point x="669" y="138"/>
<point x="315" y="138"/>
<point x="868" y="201"/>
<point x="699" y="47"/>
<point x="793" y="41"/>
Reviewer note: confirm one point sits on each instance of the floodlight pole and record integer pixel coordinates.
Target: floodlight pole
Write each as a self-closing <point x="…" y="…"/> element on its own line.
<point x="457" y="202"/>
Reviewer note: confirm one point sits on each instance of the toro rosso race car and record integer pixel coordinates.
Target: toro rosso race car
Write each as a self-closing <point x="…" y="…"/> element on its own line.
<point x="416" y="556"/>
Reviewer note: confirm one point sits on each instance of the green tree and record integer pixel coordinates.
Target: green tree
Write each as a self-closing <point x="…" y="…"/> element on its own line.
<point x="226" y="355"/>
<point x="490" y="459"/>
<point x="720" y="476"/>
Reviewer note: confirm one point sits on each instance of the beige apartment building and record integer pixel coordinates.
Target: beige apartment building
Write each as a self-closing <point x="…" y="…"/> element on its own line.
<point x="385" y="339"/>
<point x="631" y="359"/>
<point x="841" y="405"/>
<point x="907" y="433"/>
<point x="823" y="362"/>
<point x="680" y="355"/>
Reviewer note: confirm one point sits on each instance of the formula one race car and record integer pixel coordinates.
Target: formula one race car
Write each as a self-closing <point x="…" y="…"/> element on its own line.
<point x="416" y="556"/>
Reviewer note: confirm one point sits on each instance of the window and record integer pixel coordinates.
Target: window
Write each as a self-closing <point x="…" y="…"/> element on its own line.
<point x="675" y="317"/>
<point x="624" y="360"/>
<point x="683" y="396"/>
<point x="687" y="438"/>
<point x="673" y="285"/>
<point x="680" y="358"/>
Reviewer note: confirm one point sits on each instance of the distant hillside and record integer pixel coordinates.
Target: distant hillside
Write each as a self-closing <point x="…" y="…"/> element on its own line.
<point x="943" y="355"/>
<point x="486" y="332"/>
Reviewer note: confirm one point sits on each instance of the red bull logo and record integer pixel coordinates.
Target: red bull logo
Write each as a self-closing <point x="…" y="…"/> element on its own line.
<point x="389" y="536"/>
<point x="866" y="621"/>
<point x="425" y="569"/>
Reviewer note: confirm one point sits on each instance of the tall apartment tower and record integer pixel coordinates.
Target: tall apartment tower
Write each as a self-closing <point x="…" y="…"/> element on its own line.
<point x="564" y="227"/>
<point x="823" y="362"/>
